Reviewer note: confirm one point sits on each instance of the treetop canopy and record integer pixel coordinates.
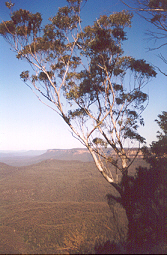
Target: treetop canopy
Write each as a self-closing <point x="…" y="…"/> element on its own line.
<point x="85" y="74"/>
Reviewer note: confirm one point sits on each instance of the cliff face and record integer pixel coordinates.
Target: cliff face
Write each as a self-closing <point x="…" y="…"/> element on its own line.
<point x="81" y="154"/>
<point x="68" y="154"/>
<point x="75" y="154"/>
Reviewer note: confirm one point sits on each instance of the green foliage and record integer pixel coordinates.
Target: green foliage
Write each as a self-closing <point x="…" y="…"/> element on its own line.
<point x="22" y="23"/>
<point x="162" y="123"/>
<point x="24" y="75"/>
<point x="99" y="141"/>
<point x="143" y="196"/>
<point x="142" y="67"/>
<point x="97" y="90"/>
<point x="156" y="156"/>
<point x="76" y="113"/>
<point x="150" y="193"/>
<point x="64" y="19"/>
<point x="84" y="72"/>
<point x="43" y="77"/>
<point x="7" y="26"/>
<point x="9" y="4"/>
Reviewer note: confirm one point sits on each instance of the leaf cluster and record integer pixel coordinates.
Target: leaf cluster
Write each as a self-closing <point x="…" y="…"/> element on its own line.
<point x="156" y="155"/>
<point x="87" y="69"/>
<point x="22" y="23"/>
<point x="158" y="17"/>
<point x="99" y="141"/>
<point x="150" y="185"/>
<point x="65" y="19"/>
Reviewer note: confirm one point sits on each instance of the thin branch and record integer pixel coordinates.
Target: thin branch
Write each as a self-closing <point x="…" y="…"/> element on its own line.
<point x="146" y="9"/>
<point x="165" y="74"/>
<point x="158" y="47"/>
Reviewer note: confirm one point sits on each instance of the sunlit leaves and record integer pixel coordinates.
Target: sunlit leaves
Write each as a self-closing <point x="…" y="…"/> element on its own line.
<point x="65" y="19"/>
<point x="84" y="72"/>
<point x="72" y="91"/>
<point x="99" y="40"/>
<point x="99" y="141"/>
<point x="121" y="19"/>
<point x="80" y="112"/>
<point x="22" y="23"/>
<point x="26" y="22"/>
<point x="119" y="33"/>
<point x="43" y="77"/>
<point x="75" y="1"/>
<point x="24" y="75"/>
<point x="7" y="27"/>
<point x="49" y="32"/>
<point x="9" y="4"/>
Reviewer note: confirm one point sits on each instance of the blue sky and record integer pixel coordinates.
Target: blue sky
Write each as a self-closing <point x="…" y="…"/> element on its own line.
<point x="25" y="123"/>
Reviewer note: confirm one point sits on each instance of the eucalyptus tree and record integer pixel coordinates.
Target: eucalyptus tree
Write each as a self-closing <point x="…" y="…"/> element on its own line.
<point x="84" y="75"/>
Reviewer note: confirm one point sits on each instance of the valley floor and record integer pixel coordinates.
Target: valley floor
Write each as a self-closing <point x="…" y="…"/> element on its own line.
<point x="56" y="207"/>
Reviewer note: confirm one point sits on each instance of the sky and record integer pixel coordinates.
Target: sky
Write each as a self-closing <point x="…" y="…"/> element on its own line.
<point x="27" y="124"/>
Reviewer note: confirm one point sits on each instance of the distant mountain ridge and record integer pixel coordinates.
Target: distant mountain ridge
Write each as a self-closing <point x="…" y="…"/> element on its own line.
<point x="12" y="153"/>
<point x="80" y="154"/>
<point x="32" y="157"/>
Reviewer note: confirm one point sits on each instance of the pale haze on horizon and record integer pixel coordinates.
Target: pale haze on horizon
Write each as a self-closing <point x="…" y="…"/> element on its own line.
<point x="27" y="124"/>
